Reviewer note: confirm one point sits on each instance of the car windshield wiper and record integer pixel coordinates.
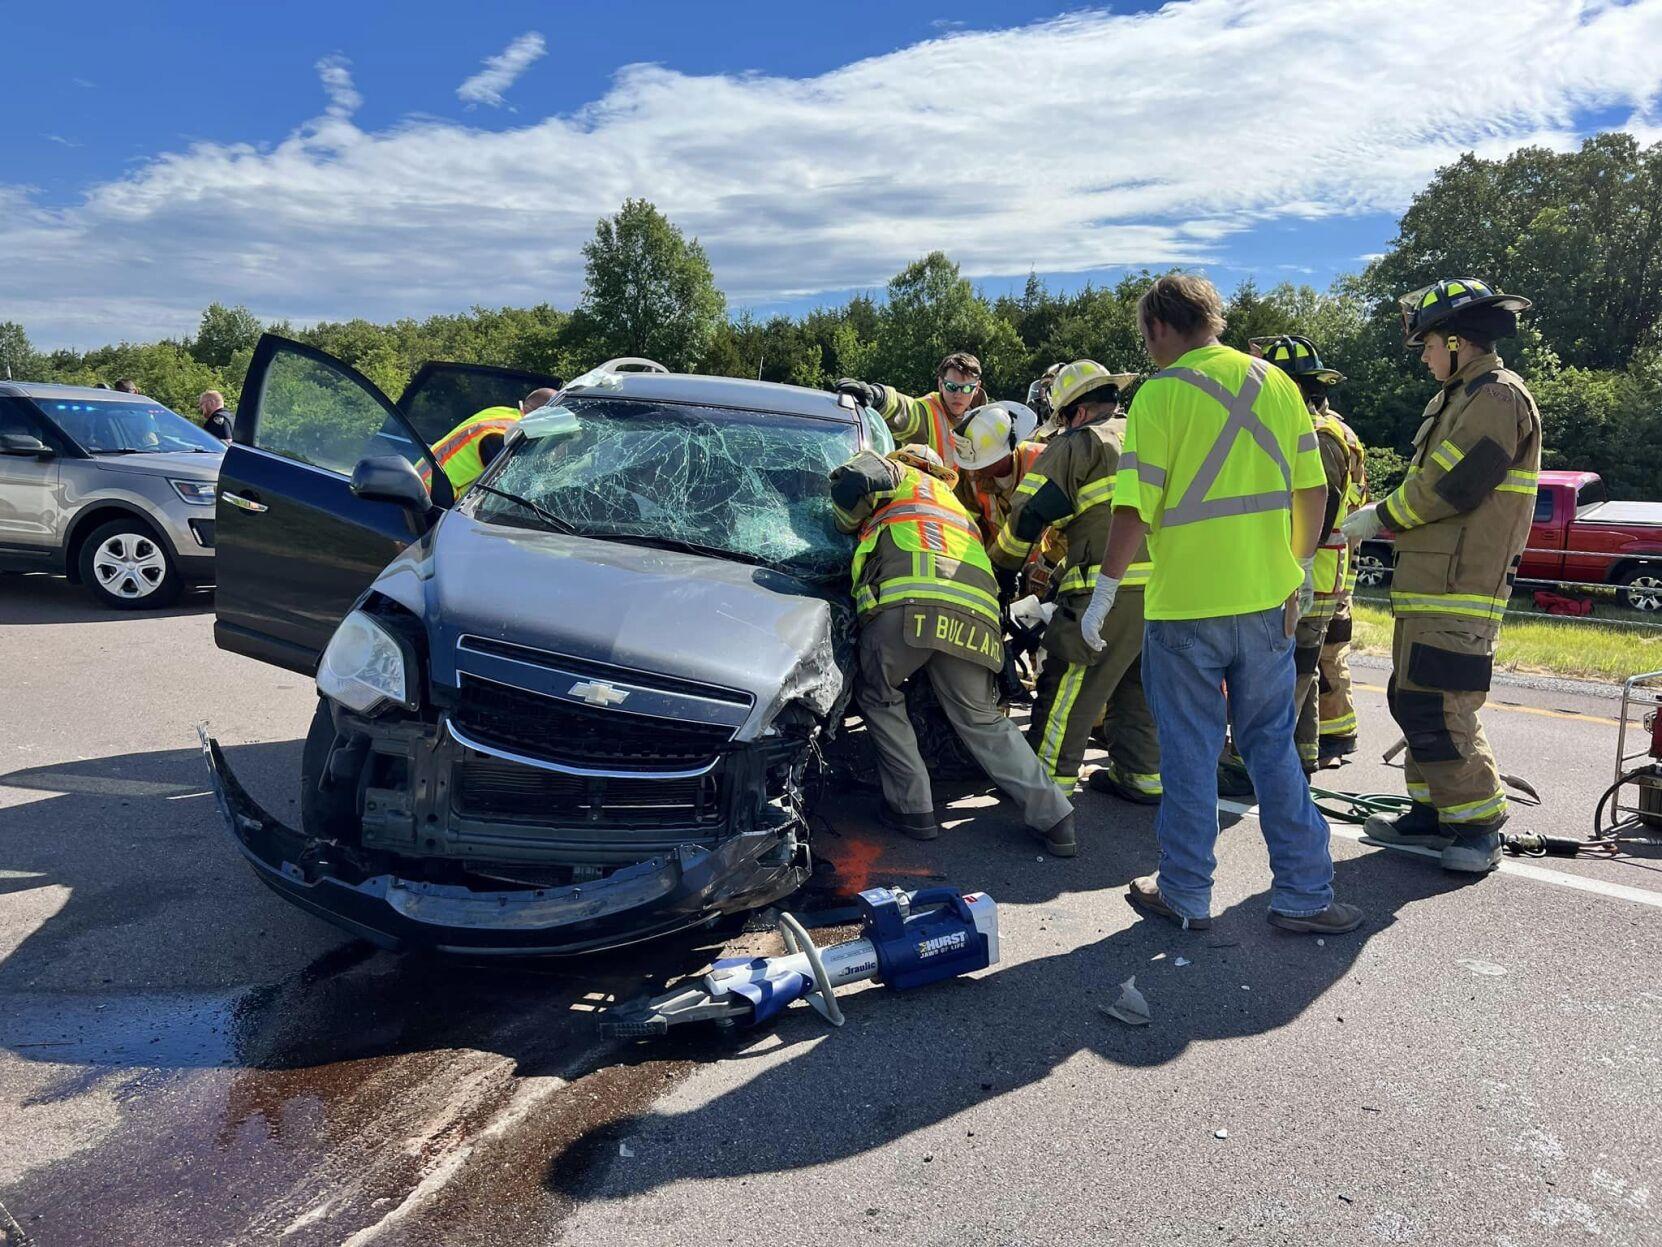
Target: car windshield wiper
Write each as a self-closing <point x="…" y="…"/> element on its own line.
<point x="118" y="450"/>
<point x="542" y="513"/>
<point x="681" y="544"/>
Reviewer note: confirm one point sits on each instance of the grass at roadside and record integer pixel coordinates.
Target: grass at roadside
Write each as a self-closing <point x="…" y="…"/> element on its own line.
<point x="1546" y="646"/>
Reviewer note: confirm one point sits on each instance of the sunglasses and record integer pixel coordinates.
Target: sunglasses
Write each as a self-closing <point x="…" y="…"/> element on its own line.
<point x="954" y="387"/>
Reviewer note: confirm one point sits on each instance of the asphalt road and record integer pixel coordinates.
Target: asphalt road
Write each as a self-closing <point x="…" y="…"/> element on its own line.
<point x="185" y="1059"/>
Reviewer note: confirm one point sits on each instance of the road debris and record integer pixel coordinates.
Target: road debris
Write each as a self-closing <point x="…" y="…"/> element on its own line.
<point x="1131" y="1007"/>
<point x="1220" y="1134"/>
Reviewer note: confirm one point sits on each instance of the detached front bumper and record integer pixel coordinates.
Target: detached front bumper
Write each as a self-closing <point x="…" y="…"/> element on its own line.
<point x="672" y="892"/>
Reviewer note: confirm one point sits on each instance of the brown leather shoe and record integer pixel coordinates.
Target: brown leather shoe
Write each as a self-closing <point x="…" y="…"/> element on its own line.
<point x="1144" y="894"/>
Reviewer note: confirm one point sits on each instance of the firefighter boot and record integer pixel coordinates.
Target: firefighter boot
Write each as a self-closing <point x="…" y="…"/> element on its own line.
<point x="1474" y="849"/>
<point x="1419" y="826"/>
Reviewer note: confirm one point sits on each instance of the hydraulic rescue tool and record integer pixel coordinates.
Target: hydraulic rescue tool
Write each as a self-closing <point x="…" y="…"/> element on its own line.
<point x="908" y="939"/>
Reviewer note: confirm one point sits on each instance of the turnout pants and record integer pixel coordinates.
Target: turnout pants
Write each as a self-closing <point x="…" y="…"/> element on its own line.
<point x="969" y="698"/>
<point x="1072" y="696"/>
<point x="1439" y="681"/>
<point x="1336" y="710"/>
<point x="1307" y="652"/>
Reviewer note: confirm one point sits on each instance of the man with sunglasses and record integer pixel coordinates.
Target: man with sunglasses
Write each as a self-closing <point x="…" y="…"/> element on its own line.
<point x="929" y="420"/>
<point x="1461" y="518"/>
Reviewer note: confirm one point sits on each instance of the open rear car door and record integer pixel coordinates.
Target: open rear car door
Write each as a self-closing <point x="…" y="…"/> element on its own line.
<point x="294" y="546"/>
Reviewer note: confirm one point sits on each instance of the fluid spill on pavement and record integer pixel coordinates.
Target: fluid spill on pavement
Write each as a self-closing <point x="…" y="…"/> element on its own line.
<point x="311" y="1110"/>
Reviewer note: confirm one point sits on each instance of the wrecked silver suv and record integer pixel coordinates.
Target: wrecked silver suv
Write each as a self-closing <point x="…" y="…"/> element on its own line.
<point x="577" y="707"/>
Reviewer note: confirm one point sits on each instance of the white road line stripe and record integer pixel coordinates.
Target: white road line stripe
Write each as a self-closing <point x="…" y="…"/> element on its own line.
<point x="1509" y="865"/>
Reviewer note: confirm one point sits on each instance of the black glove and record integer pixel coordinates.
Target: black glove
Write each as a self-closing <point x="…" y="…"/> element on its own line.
<point x="866" y="393"/>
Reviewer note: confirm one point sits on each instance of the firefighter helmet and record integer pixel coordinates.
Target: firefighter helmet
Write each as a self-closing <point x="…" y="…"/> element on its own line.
<point x="1445" y="304"/>
<point x="991" y="433"/>
<point x="1080" y="378"/>
<point x="1296" y="355"/>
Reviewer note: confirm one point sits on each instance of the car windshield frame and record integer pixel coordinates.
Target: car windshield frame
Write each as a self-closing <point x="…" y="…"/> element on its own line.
<point x="747" y="515"/>
<point x="75" y="417"/>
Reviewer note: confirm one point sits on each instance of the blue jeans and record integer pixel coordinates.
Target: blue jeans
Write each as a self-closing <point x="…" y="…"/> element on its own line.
<point x="1185" y="664"/>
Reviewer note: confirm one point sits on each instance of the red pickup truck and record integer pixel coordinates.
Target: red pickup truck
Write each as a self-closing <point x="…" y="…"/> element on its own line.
<point x="1578" y="535"/>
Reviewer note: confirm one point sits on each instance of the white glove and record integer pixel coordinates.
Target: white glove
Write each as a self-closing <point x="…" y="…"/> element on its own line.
<point x="1363" y="525"/>
<point x="1096" y="614"/>
<point x="1307" y="590"/>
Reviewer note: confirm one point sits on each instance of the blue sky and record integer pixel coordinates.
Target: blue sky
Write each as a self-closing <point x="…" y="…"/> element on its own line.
<point x="324" y="161"/>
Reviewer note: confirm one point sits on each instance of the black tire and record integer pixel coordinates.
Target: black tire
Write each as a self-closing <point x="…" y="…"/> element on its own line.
<point x="126" y="566"/>
<point x="1373" y="566"/>
<point x="328" y="810"/>
<point x="1642" y="587"/>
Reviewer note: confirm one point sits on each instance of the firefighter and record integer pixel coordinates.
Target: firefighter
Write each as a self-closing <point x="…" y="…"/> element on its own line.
<point x="994" y="452"/>
<point x="1335" y="708"/>
<point x="467" y="450"/>
<point x="1070" y="488"/>
<point x="928" y="420"/>
<point x="1461" y="518"/>
<point x="1038" y="398"/>
<point x="927" y="600"/>
<point x="1341" y="455"/>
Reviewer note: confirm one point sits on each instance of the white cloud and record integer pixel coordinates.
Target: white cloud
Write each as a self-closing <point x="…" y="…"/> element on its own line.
<point x="336" y="75"/>
<point x="1168" y="136"/>
<point x="502" y="70"/>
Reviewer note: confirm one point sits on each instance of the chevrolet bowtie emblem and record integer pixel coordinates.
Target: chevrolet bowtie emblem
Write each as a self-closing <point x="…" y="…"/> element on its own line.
<point x="598" y="694"/>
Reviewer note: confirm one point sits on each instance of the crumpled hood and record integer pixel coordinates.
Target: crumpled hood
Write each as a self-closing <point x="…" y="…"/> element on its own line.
<point x="184" y="464"/>
<point x="637" y="607"/>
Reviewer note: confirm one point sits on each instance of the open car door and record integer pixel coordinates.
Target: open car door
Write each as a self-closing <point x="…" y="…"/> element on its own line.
<point x="294" y="547"/>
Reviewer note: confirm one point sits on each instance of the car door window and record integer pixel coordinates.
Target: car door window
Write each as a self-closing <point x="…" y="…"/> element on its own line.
<point x="1543" y="508"/>
<point x="440" y="396"/>
<point x="16" y="416"/>
<point x="317" y="411"/>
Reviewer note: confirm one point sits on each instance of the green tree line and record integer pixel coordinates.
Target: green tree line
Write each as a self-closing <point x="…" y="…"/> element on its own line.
<point x="1578" y="232"/>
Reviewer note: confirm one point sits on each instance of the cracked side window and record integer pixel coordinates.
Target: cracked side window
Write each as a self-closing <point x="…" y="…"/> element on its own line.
<point x="746" y="483"/>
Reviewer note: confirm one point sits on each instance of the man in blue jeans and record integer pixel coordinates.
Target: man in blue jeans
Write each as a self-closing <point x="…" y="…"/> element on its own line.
<point x="1221" y="473"/>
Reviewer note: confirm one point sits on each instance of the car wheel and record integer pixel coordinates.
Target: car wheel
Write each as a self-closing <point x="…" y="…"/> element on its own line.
<point x="328" y="806"/>
<point x="939" y="746"/>
<point x="1643" y="587"/>
<point x="1372" y="569"/>
<point x="126" y="566"/>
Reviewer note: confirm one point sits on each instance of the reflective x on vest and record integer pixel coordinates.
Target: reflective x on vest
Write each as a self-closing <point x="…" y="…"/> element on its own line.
<point x="1194" y="506"/>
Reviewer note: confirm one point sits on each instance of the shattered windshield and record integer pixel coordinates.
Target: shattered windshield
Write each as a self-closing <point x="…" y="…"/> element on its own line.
<point x="746" y="484"/>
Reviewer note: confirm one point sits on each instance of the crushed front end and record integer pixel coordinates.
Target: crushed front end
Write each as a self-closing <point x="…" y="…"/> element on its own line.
<point x="542" y="805"/>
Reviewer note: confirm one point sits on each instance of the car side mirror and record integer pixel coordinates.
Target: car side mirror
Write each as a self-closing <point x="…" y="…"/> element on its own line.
<point x="24" y="444"/>
<point x="388" y="478"/>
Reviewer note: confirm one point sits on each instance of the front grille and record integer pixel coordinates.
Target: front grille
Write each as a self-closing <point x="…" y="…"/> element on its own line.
<point x="488" y="788"/>
<point x="582" y="736"/>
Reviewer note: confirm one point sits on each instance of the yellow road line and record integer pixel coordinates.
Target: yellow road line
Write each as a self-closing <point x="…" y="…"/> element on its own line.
<point x="1501" y="705"/>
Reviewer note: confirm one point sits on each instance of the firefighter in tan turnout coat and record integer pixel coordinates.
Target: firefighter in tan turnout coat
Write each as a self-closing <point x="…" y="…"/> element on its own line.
<point x="1461" y="518"/>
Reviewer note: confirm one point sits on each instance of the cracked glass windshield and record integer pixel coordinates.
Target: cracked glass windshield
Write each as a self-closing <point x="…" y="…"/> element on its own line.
<point x="746" y="484"/>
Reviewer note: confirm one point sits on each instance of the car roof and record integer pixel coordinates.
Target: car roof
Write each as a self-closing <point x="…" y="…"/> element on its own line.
<point x="1563" y="476"/>
<point x="47" y="389"/>
<point x="680" y="387"/>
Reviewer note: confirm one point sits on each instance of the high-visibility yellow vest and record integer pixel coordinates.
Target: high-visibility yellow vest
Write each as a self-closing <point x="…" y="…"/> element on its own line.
<point x="458" y="451"/>
<point x="940" y="559"/>
<point x="1215" y="447"/>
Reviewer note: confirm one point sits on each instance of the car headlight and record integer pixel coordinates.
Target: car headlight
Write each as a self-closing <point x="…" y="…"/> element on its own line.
<point x="364" y="666"/>
<point x="199" y="493"/>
